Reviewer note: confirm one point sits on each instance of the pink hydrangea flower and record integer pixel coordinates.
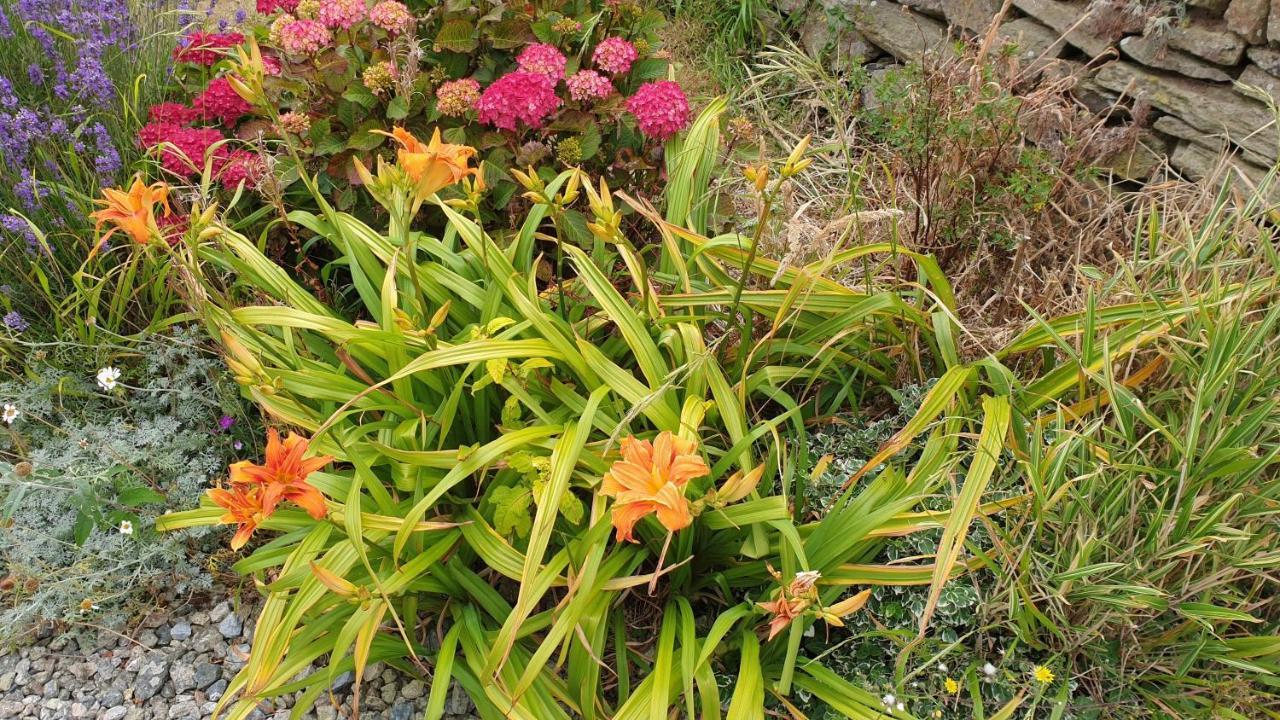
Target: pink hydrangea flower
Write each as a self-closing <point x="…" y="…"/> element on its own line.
<point x="266" y="7"/>
<point x="518" y="97"/>
<point x="270" y="65"/>
<point x="341" y="13"/>
<point x="457" y="97"/>
<point x="220" y="101"/>
<point x="614" y="55"/>
<point x="661" y="109"/>
<point x="543" y="59"/>
<point x="304" y="37"/>
<point x="588" y="85"/>
<point x="392" y="16"/>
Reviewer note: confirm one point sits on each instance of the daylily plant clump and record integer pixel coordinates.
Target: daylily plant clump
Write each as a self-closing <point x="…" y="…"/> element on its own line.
<point x="546" y="481"/>
<point x="567" y="83"/>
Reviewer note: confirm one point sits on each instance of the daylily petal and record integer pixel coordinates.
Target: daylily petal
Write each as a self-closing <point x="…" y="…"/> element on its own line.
<point x="625" y="517"/>
<point x="245" y="472"/>
<point x="243" y="533"/>
<point x="687" y="467"/>
<point x="309" y="499"/>
<point x="633" y="477"/>
<point x="663" y="452"/>
<point x="638" y="452"/>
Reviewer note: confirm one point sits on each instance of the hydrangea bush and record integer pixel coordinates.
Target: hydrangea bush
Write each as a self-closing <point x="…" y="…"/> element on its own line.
<point x="568" y="83"/>
<point x="88" y="458"/>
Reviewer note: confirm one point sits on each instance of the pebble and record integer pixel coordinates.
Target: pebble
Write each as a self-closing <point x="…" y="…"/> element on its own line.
<point x="413" y="690"/>
<point x="151" y="677"/>
<point x="178" y="668"/>
<point x="230" y="627"/>
<point x="206" y="675"/>
<point x="217" y="689"/>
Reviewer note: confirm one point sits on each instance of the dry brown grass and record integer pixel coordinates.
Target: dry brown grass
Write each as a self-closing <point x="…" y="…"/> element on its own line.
<point x="955" y="189"/>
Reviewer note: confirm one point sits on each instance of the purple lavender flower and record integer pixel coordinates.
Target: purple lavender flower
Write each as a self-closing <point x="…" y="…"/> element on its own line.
<point x="107" y="162"/>
<point x="225" y="422"/>
<point x="7" y="98"/>
<point x="15" y="227"/>
<point x="15" y="322"/>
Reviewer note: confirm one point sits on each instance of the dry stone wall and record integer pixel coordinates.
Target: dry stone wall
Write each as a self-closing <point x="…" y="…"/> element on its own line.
<point x="1208" y="69"/>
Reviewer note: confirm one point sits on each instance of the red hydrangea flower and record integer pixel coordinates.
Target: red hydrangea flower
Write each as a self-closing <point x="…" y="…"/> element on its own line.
<point x="661" y="109"/>
<point x="241" y="165"/>
<point x="173" y="226"/>
<point x="175" y="113"/>
<point x="518" y="97"/>
<point x="542" y="59"/>
<point x="186" y="147"/>
<point x="220" y="101"/>
<point x="156" y="132"/>
<point x="588" y="85"/>
<point x="266" y="7"/>
<point x="200" y="48"/>
<point x="614" y="55"/>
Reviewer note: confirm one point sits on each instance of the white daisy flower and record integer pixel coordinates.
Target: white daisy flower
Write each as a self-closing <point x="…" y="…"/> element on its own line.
<point x="126" y="527"/>
<point x="10" y="413"/>
<point x="989" y="670"/>
<point x="108" y="377"/>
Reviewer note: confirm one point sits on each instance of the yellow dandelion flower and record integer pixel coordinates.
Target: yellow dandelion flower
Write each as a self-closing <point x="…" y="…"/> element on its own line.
<point x="952" y="686"/>
<point x="1043" y="675"/>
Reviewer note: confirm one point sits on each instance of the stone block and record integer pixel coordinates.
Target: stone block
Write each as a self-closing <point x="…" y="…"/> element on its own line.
<point x="1068" y="19"/>
<point x="1152" y="52"/>
<point x="1207" y="107"/>
<point x="1198" y="162"/>
<point x="1266" y="58"/>
<point x="1211" y="41"/>
<point x="900" y="31"/>
<point x="1248" y="19"/>
<point x="972" y="15"/>
<point x="1033" y="40"/>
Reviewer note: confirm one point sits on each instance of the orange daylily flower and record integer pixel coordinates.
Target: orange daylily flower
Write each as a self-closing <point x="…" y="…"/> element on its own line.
<point x="132" y="211"/>
<point x="651" y="478"/>
<point x="243" y="507"/>
<point x="432" y="166"/>
<point x="284" y="474"/>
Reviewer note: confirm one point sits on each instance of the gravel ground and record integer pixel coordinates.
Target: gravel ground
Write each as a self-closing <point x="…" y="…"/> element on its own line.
<point x="177" y="668"/>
